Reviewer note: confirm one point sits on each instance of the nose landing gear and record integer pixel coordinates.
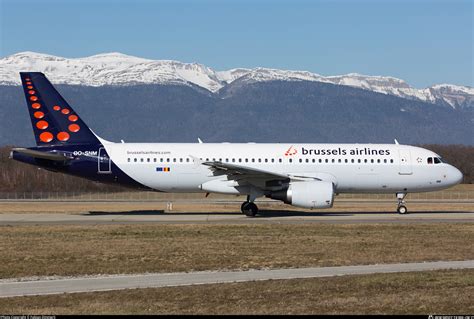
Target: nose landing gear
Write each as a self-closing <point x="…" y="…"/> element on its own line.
<point x="401" y="209"/>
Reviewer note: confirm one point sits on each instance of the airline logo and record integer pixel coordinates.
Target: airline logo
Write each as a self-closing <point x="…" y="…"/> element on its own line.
<point x="291" y="151"/>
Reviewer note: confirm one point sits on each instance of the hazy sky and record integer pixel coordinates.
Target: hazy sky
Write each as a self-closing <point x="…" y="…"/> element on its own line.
<point x="422" y="42"/>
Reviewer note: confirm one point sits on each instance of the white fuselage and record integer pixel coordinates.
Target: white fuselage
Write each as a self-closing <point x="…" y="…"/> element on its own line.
<point x="353" y="168"/>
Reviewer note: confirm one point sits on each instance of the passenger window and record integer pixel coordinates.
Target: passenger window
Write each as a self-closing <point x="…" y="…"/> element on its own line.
<point x="134" y="159"/>
<point x="167" y="160"/>
<point x="180" y="160"/>
<point x="259" y="160"/>
<point x="273" y="160"/>
<point x="391" y="160"/>
<point x="253" y="160"/>
<point x="346" y="160"/>
<point x="233" y="160"/>
<point x="266" y="160"/>
<point x="378" y="160"/>
<point x="246" y="160"/>
<point x="161" y="160"/>
<point x="320" y="160"/>
<point x="365" y="160"/>
<point x="148" y="159"/>
<point x="154" y="159"/>
<point x="372" y="160"/>
<point x="385" y="160"/>
<point x="174" y="160"/>
<point x="301" y="160"/>
<point x="333" y="160"/>
<point x="326" y="160"/>
<point x="128" y="159"/>
<point x="240" y="160"/>
<point x="187" y="159"/>
<point x="358" y="160"/>
<point x="279" y="160"/>
<point x="141" y="159"/>
<point x="290" y="160"/>
<point x="352" y="160"/>
<point x="339" y="160"/>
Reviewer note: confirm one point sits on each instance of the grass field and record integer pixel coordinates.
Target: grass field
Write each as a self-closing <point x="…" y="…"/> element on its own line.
<point x="436" y="292"/>
<point x="205" y="207"/>
<point x="111" y="249"/>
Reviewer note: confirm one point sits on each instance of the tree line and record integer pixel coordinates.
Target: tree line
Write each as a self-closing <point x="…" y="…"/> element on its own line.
<point x="20" y="177"/>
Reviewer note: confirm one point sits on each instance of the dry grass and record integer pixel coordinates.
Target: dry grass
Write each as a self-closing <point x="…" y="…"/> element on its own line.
<point x="206" y="207"/>
<point x="74" y="250"/>
<point x="437" y="292"/>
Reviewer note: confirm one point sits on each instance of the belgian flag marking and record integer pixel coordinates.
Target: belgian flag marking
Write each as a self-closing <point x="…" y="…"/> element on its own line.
<point x="162" y="169"/>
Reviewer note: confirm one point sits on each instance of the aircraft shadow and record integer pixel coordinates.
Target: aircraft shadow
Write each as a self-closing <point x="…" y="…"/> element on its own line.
<point x="264" y="213"/>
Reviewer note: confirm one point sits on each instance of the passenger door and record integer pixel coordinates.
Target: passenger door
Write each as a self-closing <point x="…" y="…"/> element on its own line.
<point x="405" y="162"/>
<point x="104" y="165"/>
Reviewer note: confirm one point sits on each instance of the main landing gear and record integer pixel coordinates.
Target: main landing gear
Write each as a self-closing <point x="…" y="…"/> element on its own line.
<point x="401" y="209"/>
<point x="249" y="208"/>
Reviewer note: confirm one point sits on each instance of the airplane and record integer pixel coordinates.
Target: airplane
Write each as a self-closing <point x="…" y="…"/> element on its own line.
<point x="299" y="174"/>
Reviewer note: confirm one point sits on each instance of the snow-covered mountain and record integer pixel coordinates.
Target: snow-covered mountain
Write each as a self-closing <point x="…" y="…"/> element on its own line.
<point x="120" y="69"/>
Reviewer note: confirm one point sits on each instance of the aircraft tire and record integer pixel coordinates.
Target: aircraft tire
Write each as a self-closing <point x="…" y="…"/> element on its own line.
<point x="402" y="209"/>
<point x="249" y="209"/>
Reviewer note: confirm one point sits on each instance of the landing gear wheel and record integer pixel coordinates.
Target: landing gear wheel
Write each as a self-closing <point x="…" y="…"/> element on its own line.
<point x="249" y="209"/>
<point x="402" y="209"/>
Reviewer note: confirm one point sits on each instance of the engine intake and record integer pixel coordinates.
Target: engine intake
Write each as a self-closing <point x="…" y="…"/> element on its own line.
<point x="314" y="194"/>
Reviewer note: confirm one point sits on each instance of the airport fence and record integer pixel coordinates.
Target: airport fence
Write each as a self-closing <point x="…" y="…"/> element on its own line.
<point x="460" y="194"/>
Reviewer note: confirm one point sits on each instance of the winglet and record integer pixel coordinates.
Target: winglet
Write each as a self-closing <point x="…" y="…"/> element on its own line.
<point x="200" y="141"/>
<point x="396" y="142"/>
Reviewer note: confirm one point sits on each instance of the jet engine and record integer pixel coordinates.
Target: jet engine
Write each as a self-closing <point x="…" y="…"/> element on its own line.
<point x="313" y="194"/>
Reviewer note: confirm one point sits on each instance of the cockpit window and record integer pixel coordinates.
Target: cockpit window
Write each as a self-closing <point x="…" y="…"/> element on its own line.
<point x="435" y="160"/>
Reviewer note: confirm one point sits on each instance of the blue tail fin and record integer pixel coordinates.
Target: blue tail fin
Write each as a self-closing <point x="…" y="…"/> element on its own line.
<point x="53" y="119"/>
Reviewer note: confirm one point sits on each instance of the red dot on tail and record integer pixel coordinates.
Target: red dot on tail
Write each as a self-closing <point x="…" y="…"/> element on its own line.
<point x="56" y="107"/>
<point x="39" y="114"/>
<point x="42" y="125"/>
<point x="74" y="128"/>
<point x="63" y="136"/>
<point x="46" y="137"/>
<point x="36" y="106"/>
<point x="65" y="111"/>
<point x="73" y="118"/>
<point x="33" y="98"/>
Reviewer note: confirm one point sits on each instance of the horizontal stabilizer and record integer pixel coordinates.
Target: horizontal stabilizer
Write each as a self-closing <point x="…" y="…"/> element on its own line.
<point x="52" y="156"/>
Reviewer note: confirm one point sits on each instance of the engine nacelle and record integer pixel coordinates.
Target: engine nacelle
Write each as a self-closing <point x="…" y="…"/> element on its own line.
<point x="314" y="194"/>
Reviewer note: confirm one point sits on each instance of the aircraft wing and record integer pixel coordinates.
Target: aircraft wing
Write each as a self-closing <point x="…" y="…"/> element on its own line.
<point x="239" y="170"/>
<point x="263" y="179"/>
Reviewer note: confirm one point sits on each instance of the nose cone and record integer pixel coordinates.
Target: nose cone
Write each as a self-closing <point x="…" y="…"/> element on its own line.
<point x="455" y="176"/>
